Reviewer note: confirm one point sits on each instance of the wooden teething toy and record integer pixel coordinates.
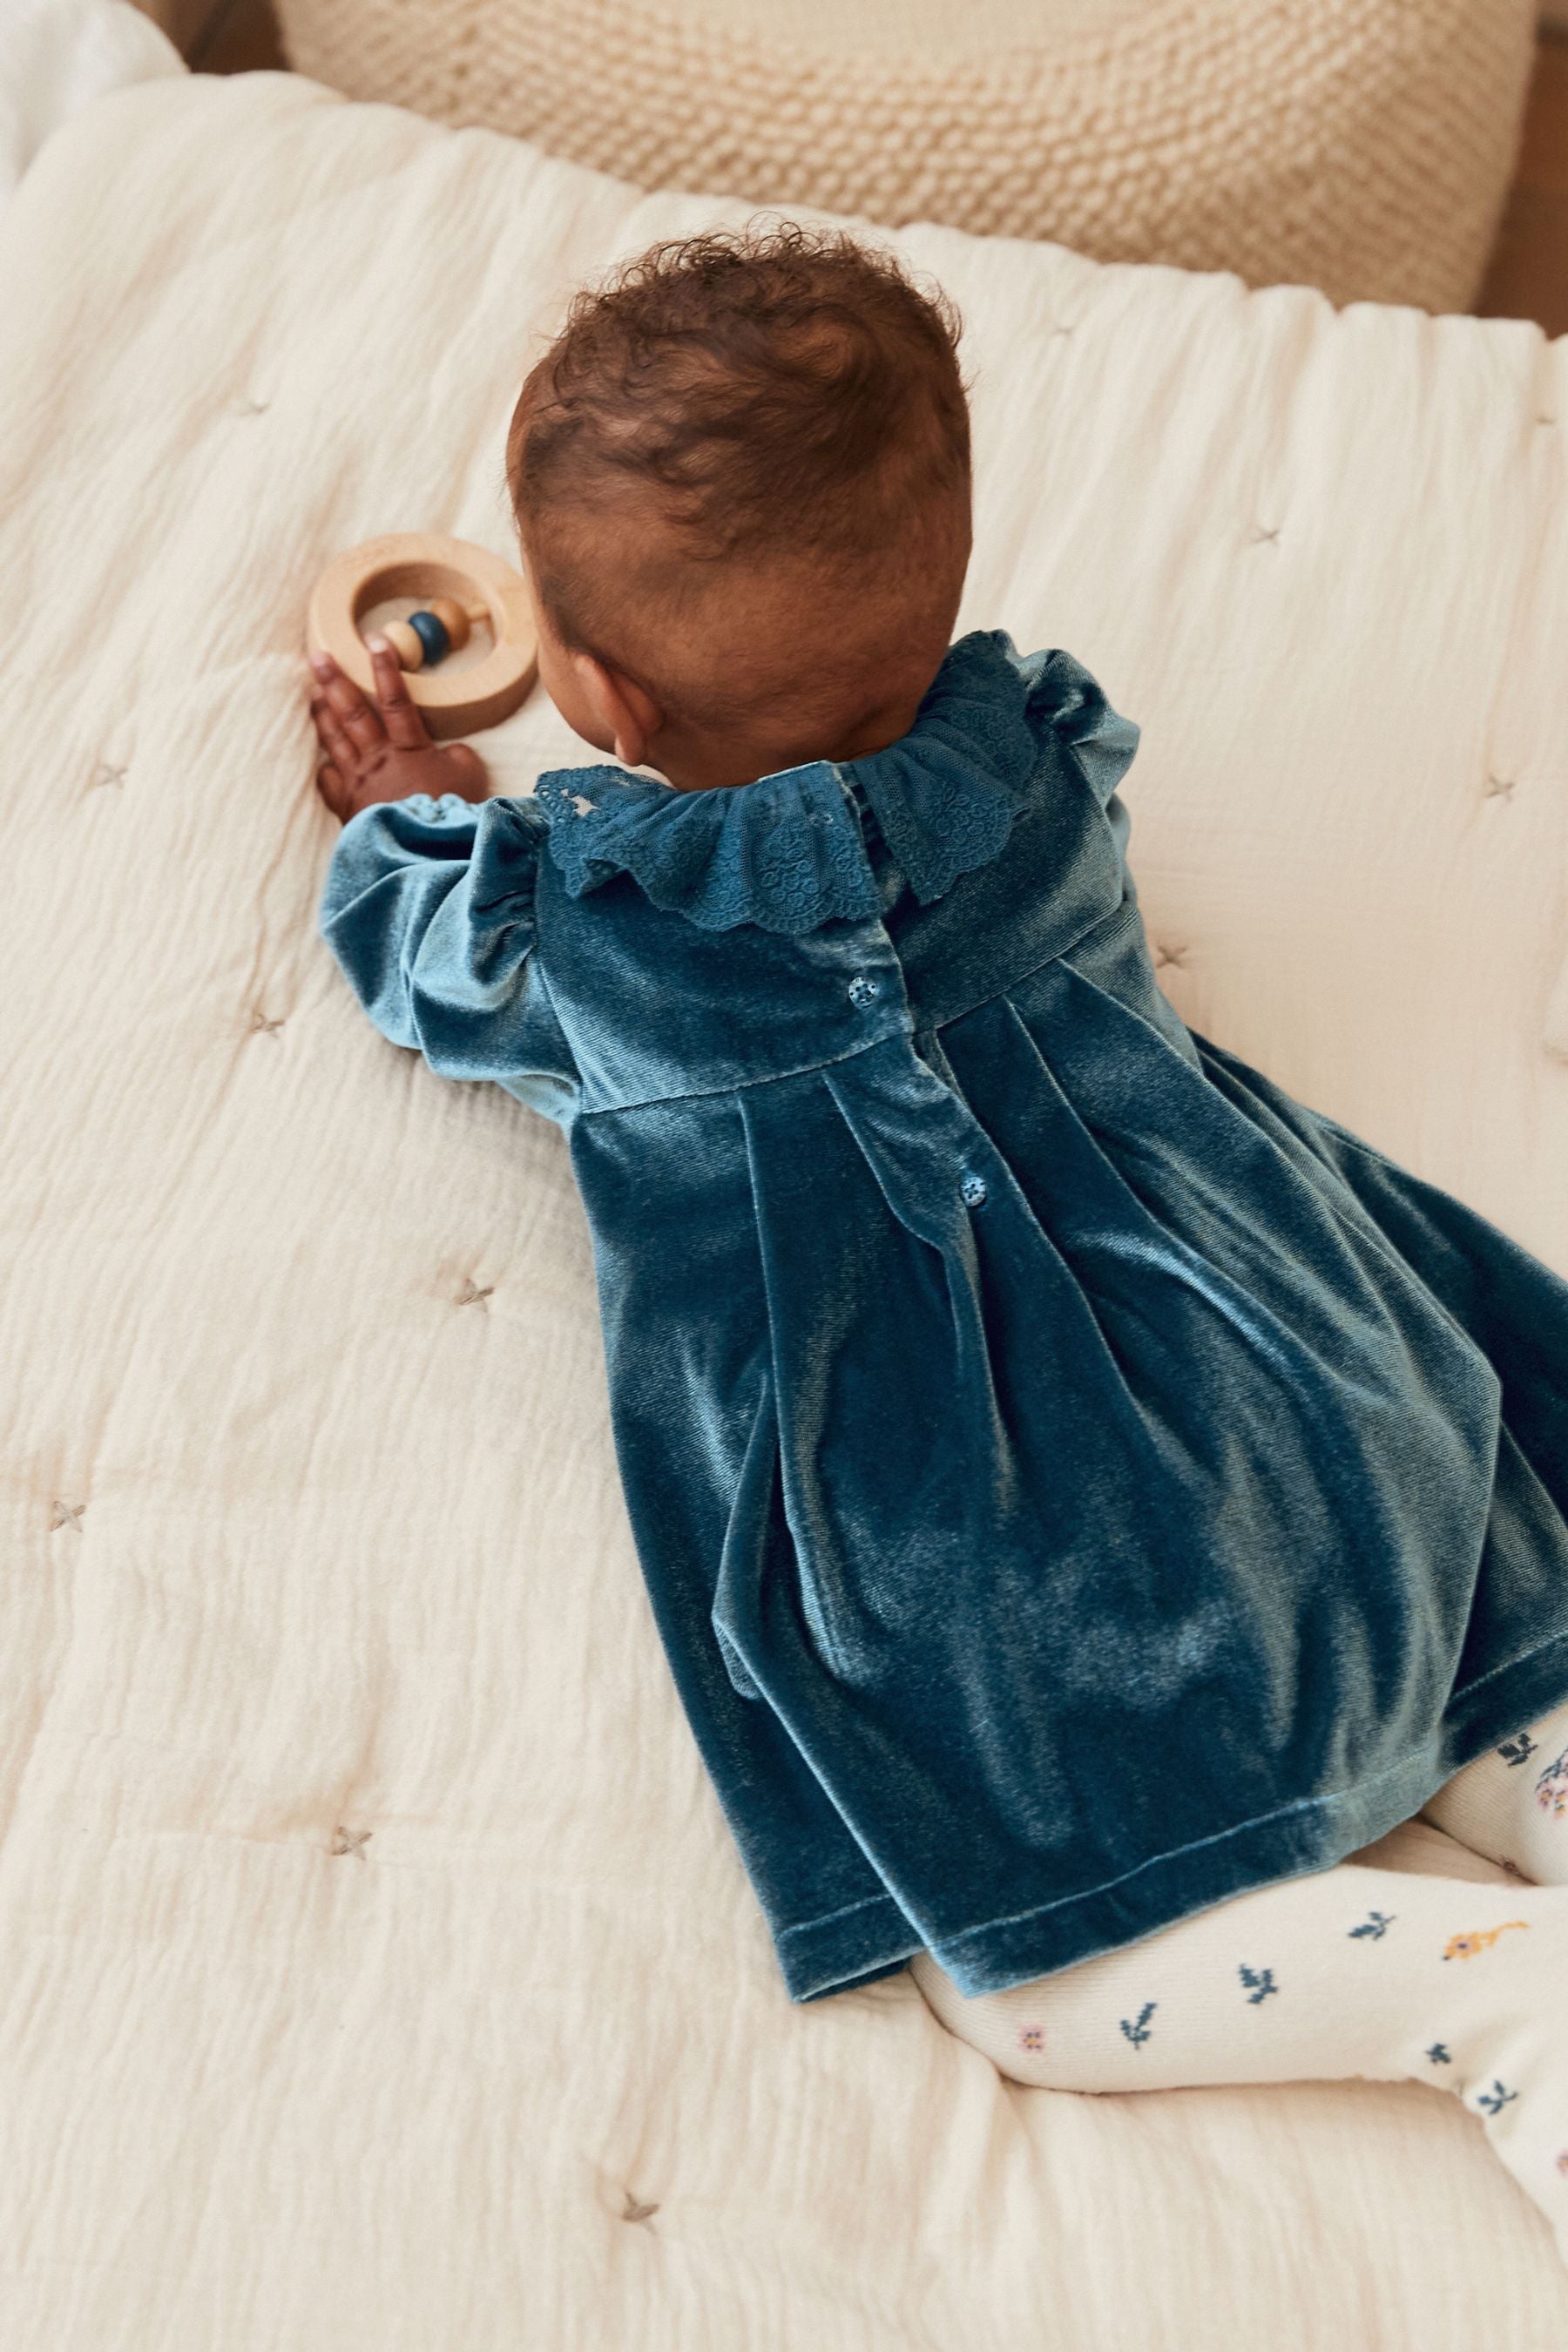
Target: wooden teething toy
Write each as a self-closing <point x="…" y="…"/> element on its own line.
<point x="458" y="585"/>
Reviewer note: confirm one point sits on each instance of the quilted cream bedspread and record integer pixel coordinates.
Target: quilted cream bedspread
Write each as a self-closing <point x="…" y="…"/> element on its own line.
<point x="375" y="1972"/>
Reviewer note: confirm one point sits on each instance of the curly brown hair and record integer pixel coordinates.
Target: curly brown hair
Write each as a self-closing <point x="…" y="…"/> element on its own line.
<point x="774" y="389"/>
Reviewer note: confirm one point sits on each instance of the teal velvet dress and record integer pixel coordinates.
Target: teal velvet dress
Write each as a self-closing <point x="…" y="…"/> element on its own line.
<point x="1074" y="1484"/>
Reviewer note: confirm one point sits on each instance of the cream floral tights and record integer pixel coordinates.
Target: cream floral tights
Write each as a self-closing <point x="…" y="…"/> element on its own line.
<point x="1349" y="1972"/>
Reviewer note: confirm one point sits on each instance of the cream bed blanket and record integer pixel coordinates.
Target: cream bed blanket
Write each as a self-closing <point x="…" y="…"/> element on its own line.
<point x="375" y="1972"/>
<point x="57" y="56"/>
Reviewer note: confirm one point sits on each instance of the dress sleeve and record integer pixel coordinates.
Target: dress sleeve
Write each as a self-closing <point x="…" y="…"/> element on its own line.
<point x="428" y="908"/>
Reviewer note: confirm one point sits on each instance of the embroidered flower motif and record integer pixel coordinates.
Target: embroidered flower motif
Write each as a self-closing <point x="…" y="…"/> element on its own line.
<point x="1261" y="1979"/>
<point x="1514" y="1751"/>
<point x="1032" y="2038"/>
<point x="1137" y="2029"/>
<point x="1439" y="2054"/>
<point x="1376" y="1924"/>
<point x="1492" y="2102"/>
<point x="1551" y="1789"/>
<point x="1481" y="1939"/>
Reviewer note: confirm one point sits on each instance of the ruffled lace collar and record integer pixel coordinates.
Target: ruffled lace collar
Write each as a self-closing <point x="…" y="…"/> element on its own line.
<point x="788" y="851"/>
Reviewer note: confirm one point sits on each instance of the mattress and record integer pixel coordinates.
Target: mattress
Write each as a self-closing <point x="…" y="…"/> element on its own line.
<point x="376" y="1972"/>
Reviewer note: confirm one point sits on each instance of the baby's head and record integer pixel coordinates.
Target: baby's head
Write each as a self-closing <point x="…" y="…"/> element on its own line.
<point x="741" y="476"/>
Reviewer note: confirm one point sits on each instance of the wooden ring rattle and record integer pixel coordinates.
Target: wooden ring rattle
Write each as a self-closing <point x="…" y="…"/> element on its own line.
<point x="469" y="583"/>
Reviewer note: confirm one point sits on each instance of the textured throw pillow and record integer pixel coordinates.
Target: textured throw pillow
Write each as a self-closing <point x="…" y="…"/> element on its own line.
<point x="1363" y="146"/>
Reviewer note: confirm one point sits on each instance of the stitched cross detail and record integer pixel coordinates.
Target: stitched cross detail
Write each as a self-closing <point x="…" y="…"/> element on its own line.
<point x="1499" y="787"/>
<point x="634" y="2209"/>
<point x="1263" y="535"/>
<point x="261" y="1026"/>
<point x="1165" y="955"/>
<point x="106" y="773"/>
<point x="471" y="1294"/>
<point x="352" y="1841"/>
<point x="67" y="1515"/>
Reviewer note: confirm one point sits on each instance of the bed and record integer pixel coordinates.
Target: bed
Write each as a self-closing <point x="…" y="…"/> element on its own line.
<point x="376" y="1974"/>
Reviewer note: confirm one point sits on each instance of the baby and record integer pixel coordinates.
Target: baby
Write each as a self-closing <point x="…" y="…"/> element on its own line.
<point x="1085" y="1497"/>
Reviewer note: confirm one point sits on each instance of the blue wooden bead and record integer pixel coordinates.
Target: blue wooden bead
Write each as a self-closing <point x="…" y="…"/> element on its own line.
<point x="431" y="632"/>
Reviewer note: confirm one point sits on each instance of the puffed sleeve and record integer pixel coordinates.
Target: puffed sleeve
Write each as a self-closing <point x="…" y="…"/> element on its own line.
<point x="428" y="908"/>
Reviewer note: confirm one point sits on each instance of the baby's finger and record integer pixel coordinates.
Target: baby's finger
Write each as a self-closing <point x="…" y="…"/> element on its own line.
<point x="333" y="742"/>
<point x="334" y="791"/>
<point x="361" y="722"/>
<point x="404" y="727"/>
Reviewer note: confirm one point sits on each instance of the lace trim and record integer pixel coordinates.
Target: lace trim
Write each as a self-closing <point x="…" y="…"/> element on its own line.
<point x="947" y="795"/>
<point x="785" y="853"/>
<point x="790" y="852"/>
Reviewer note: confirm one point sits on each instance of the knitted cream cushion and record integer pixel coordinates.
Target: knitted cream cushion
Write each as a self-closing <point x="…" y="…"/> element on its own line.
<point x="1363" y="146"/>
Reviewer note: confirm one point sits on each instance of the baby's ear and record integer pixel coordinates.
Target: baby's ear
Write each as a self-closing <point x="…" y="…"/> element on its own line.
<point x="628" y="714"/>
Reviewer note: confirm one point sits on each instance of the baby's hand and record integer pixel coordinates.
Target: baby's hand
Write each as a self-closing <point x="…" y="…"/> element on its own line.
<point x="382" y="754"/>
